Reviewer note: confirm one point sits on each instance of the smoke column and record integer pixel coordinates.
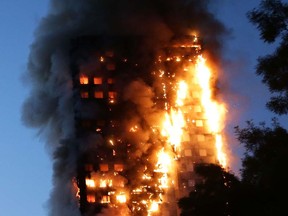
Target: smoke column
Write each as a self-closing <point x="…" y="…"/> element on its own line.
<point x="49" y="108"/>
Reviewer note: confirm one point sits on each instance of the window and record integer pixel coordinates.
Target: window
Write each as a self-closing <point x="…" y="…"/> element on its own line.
<point x="89" y="167"/>
<point x="110" y="81"/>
<point x="84" y="94"/>
<point x="90" y="183"/>
<point x="84" y="79"/>
<point x="196" y="95"/>
<point x="190" y="167"/>
<point x="197" y="109"/>
<point x="200" y="138"/>
<point x="110" y="67"/>
<point x="105" y="199"/>
<point x="103" y="183"/>
<point x="104" y="167"/>
<point x="98" y="94"/>
<point x="121" y="198"/>
<point x="188" y="152"/>
<point x="199" y="123"/>
<point x="118" y="167"/>
<point x="202" y="152"/>
<point x="91" y="198"/>
<point x="97" y="80"/>
<point x="112" y="97"/>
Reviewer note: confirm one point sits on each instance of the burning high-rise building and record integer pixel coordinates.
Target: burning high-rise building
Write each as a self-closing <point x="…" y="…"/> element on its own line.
<point x="142" y="145"/>
<point x="128" y="104"/>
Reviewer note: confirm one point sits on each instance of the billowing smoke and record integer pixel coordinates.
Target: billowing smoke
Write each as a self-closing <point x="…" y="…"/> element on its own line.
<point x="50" y="107"/>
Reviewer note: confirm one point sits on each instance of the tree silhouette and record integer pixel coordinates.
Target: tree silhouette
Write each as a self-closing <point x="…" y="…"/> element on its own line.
<point x="264" y="165"/>
<point x="214" y="195"/>
<point x="271" y="19"/>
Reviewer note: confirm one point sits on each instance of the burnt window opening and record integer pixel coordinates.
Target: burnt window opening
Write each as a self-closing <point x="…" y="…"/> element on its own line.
<point x="112" y="97"/>
<point x="110" y="67"/>
<point x="188" y="152"/>
<point x="118" y="167"/>
<point x="84" y="94"/>
<point x="97" y="80"/>
<point x="104" y="167"/>
<point x="197" y="109"/>
<point x="84" y="80"/>
<point x="199" y="123"/>
<point x="98" y="94"/>
<point x="200" y="138"/>
<point x="203" y="152"/>
<point x="90" y="183"/>
<point x="110" y="81"/>
<point x="89" y="167"/>
<point x="104" y="183"/>
<point x="105" y="199"/>
<point x="91" y="198"/>
<point x="190" y="167"/>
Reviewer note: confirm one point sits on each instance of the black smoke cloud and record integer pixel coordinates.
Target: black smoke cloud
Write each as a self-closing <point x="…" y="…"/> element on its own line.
<point x="49" y="108"/>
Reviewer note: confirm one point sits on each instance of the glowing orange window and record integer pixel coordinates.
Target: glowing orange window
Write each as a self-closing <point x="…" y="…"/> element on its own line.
<point x="199" y="123"/>
<point x="90" y="183"/>
<point x="118" y="167"/>
<point x="202" y="152"/>
<point x="105" y="199"/>
<point x="200" y="138"/>
<point x="121" y="198"/>
<point x="91" y="198"/>
<point x="112" y="97"/>
<point x="97" y="80"/>
<point x="84" y="79"/>
<point x="84" y="94"/>
<point x="104" y="167"/>
<point x="188" y="152"/>
<point x="98" y="94"/>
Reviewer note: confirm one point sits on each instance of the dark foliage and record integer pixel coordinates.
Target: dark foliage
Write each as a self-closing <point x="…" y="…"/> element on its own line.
<point x="271" y="19"/>
<point x="264" y="166"/>
<point x="263" y="185"/>
<point x="215" y="195"/>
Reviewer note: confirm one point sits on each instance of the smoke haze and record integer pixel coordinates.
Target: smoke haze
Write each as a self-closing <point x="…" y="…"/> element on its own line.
<point x="50" y="105"/>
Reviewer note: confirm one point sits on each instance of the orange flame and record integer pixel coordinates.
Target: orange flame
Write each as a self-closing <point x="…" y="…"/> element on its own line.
<point x="172" y="128"/>
<point x="214" y="111"/>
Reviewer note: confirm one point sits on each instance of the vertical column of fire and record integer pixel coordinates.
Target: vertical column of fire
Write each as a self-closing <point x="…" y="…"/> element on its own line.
<point x="214" y="111"/>
<point x="191" y="71"/>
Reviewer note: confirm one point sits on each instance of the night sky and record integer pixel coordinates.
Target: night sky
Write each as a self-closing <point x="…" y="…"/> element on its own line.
<point x="25" y="166"/>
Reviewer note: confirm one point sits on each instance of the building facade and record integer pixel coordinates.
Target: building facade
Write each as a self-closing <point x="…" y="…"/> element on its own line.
<point x="126" y="96"/>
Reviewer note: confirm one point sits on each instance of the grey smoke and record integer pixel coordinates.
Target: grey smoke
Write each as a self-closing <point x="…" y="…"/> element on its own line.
<point x="49" y="106"/>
